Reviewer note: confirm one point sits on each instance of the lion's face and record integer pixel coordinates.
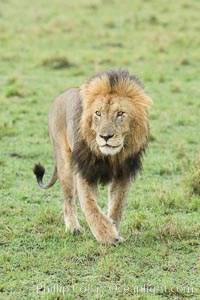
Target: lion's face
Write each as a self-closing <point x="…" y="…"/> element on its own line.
<point x="114" y="118"/>
<point x="111" y="124"/>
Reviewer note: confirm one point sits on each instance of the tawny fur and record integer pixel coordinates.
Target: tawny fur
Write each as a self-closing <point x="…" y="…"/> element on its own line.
<point x="99" y="133"/>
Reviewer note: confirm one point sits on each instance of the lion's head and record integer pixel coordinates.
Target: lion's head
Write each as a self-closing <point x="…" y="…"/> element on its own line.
<point x="114" y="129"/>
<point x="114" y="118"/>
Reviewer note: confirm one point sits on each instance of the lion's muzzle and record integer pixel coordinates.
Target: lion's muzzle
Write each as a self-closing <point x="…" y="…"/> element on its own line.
<point x="110" y="144"/>
<point x="106" y="137"/>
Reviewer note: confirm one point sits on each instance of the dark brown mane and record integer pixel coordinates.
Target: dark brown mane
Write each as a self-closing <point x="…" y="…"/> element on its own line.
<point x="117" y="76"/>
<point x="100" y="169"/>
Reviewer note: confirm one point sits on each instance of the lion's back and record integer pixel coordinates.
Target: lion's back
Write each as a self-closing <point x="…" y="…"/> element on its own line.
<point x="64" y="115"/>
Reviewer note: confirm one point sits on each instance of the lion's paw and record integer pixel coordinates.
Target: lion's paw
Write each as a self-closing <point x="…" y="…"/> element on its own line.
<point x="118" y="240"/>
<point x="113" y="241"/>
<point x="77" y="230"/>
<point x="74" y="230"/>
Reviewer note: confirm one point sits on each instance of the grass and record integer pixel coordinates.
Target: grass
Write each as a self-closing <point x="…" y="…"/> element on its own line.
<point x="47" y="47"/>
<point x="192" y="180"/>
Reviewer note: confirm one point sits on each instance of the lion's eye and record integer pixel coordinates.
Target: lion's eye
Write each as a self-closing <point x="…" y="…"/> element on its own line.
<point x="98" y="113"/>
<point x="120" y="113"/>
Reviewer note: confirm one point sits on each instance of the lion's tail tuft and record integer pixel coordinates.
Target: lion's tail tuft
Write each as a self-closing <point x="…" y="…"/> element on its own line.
<point x="39" y="172"/>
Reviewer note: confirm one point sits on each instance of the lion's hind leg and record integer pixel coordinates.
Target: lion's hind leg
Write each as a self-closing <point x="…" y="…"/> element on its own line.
<point x="66" y="178"/>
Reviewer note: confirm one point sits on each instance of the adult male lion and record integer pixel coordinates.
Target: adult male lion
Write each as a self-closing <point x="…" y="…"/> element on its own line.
<point x="99" y="133"/>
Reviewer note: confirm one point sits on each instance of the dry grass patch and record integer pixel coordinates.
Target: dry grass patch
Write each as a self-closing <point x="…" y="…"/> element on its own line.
<point x="192" y="179"/>
<point x="57" y="62"/>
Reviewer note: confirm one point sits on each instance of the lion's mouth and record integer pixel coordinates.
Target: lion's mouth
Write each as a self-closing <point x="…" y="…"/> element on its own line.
<point x="110" y="150"/>
<point x="110" y="146"/>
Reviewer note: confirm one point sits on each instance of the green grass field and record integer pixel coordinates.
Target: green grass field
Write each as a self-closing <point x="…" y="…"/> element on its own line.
<point x="47" y="47"/>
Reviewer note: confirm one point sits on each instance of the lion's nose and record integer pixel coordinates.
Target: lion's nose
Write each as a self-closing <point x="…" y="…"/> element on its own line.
<point x="106" y="137"/>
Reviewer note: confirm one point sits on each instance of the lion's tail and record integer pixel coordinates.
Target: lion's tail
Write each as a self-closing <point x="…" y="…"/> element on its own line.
<point x="39" y="171"/>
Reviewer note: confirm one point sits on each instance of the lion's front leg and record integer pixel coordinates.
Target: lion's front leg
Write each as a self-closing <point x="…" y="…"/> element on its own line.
<point x="118" y="193"/>
<point x="100" y="225"/>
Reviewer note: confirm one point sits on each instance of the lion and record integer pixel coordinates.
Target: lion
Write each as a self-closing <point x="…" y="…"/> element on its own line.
<point x="99" y="132"/>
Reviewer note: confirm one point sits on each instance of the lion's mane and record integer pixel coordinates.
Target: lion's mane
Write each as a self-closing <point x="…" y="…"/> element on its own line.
<point x="90" y="163"/>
